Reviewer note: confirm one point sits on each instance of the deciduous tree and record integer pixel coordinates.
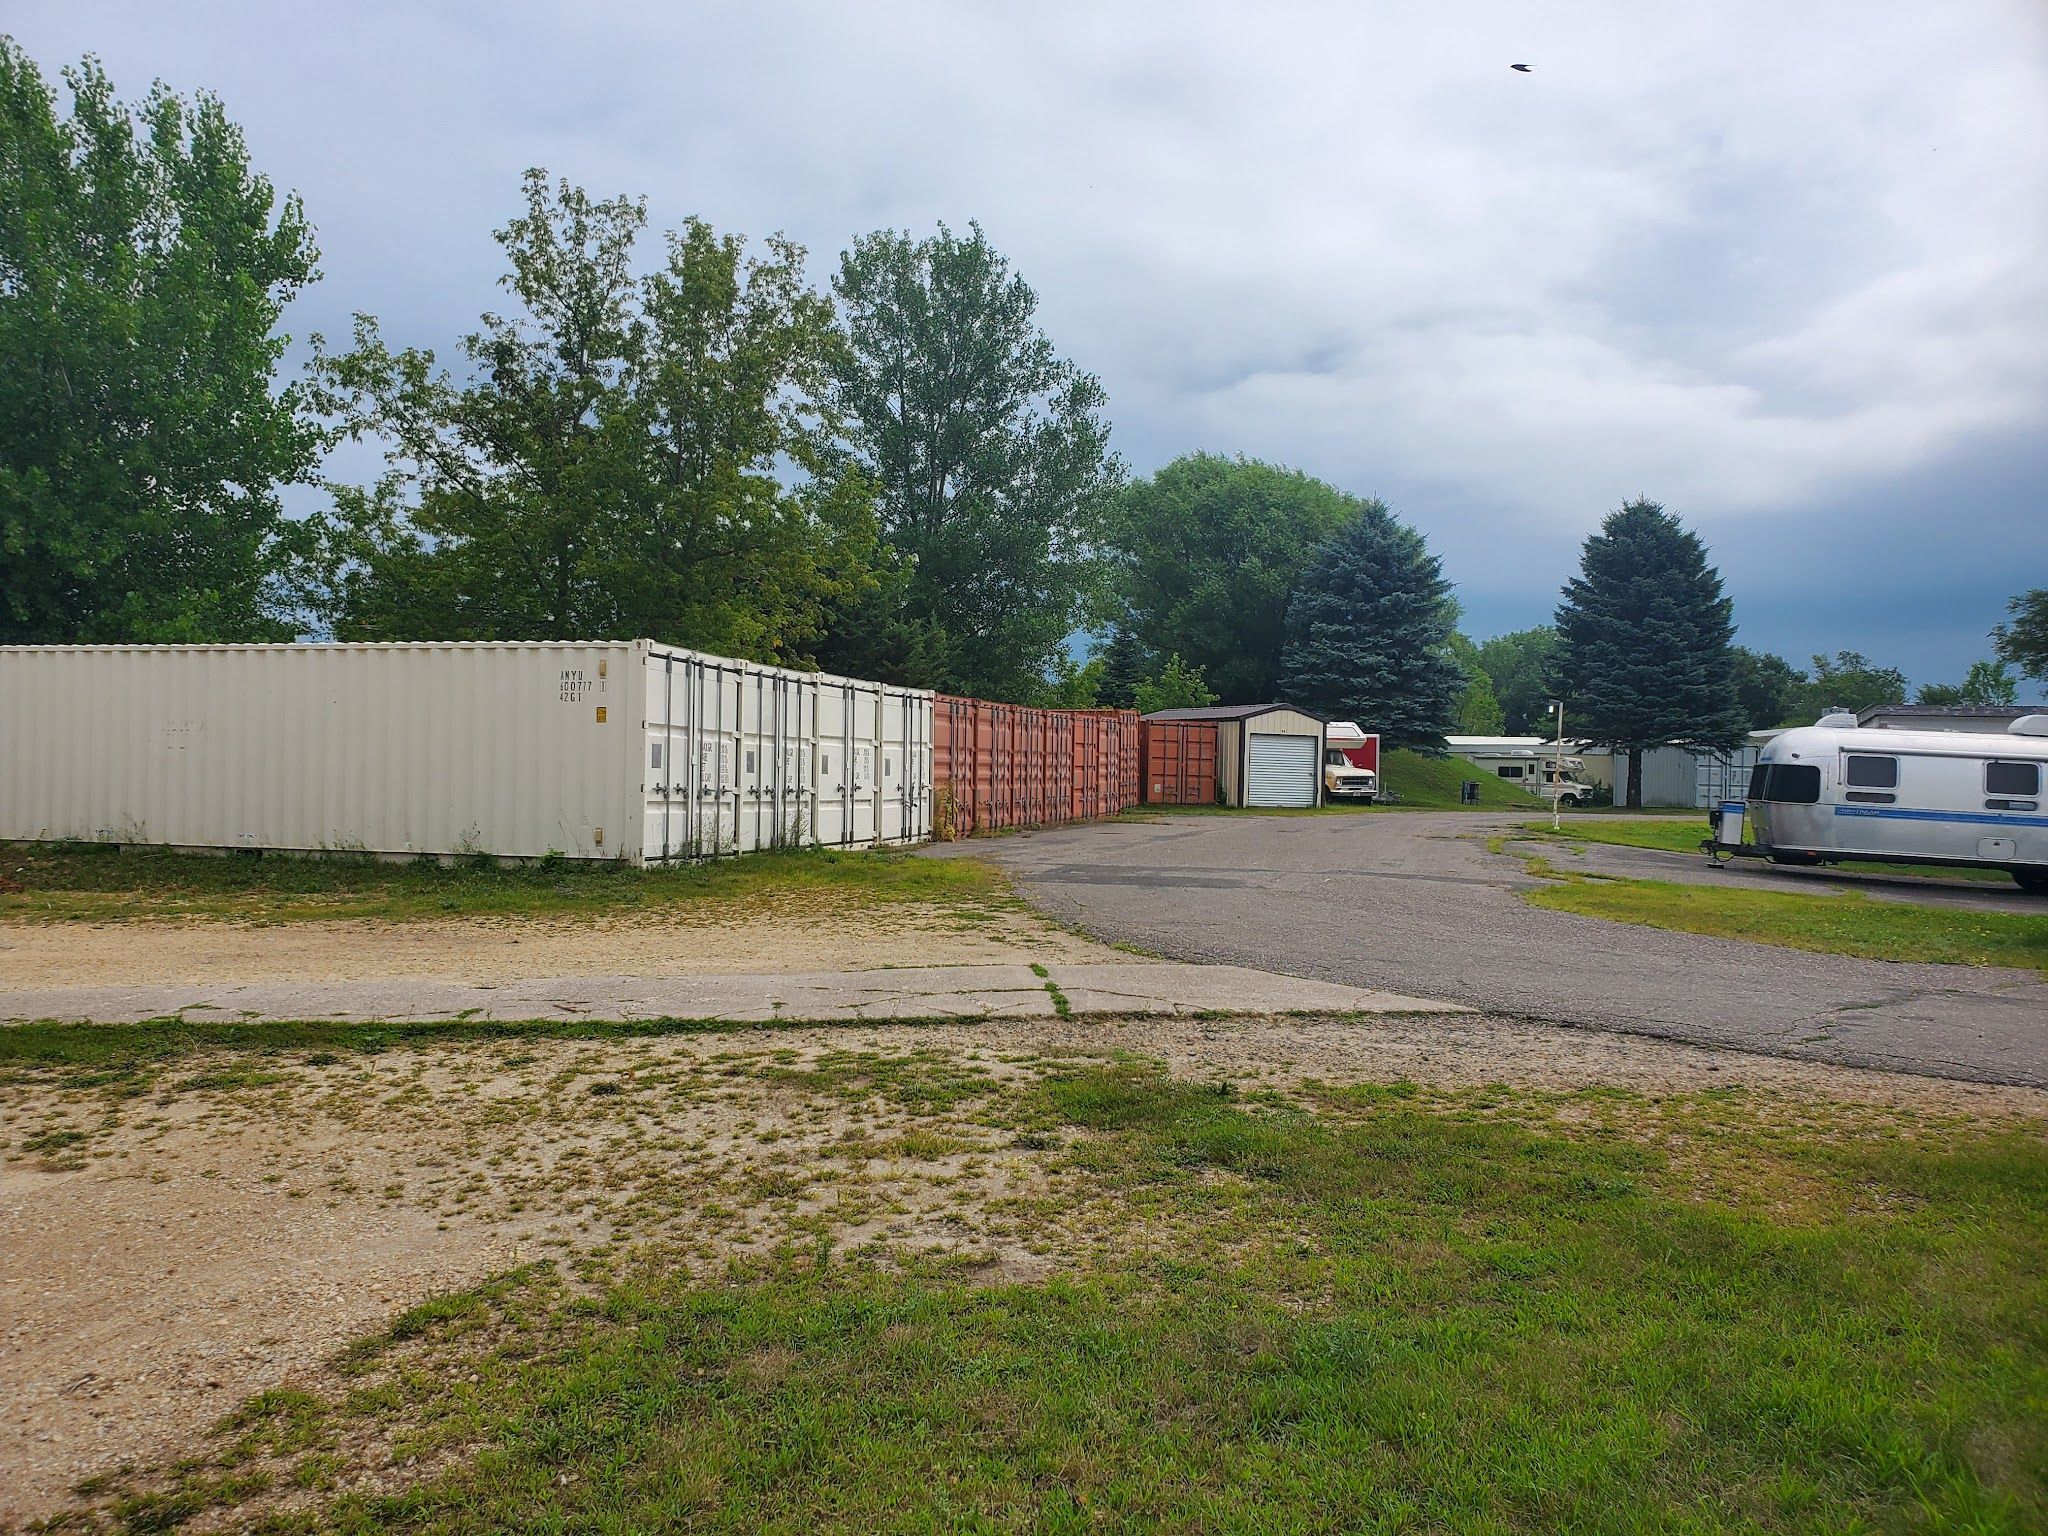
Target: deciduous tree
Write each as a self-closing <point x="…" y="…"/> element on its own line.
<point x="1987" y="682"/>
<point x="1644" y="654"/>
<point x="1178" y="686"/>
<point x="624" y="456"/>
<point x="144" y="269"/>
<point x="1207" y="553"/>
<point x="1518" y="665"/>
<point x="2023" y="638"/>
<point x="1768" y="686"/>
<point x="989" y="449"/>
<point x="1479" y="710"/>
<point x="1847" y="680"/>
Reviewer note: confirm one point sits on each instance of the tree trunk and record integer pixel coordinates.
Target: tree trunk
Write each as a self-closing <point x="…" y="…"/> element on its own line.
<point x="1635" y="779"/>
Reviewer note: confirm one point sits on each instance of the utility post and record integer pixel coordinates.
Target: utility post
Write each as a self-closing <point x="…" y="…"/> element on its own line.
<point x="1557" y="770"/>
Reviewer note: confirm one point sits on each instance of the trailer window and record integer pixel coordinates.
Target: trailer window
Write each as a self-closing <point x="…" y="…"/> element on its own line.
<point x="1872" y="772"/>
<point x="1789" y="783"/>
<point x="2023" y="779"/>
<point x="1509" y="770"/>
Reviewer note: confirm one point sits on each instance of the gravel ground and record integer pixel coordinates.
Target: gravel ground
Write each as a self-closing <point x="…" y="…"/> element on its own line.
<point x="788" y="935"/>
<point x="1413" y="902"/>
<point x="223" y="1232"/>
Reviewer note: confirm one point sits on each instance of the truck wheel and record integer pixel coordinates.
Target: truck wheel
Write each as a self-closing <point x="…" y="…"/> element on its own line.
<point x="2033" y="881"/>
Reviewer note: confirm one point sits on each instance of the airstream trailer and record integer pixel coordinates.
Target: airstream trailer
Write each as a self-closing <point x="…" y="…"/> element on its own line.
<point x="1834" y="791"/>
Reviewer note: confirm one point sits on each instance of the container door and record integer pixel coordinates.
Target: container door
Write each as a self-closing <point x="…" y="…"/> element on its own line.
<point x="866" y="777"/>
<point x="832" y="754"/>
<point x="1281" y="771"/>
<point x="717" y="793"/>
<point x="665" y="780"/>
<point x="894" y="810"/>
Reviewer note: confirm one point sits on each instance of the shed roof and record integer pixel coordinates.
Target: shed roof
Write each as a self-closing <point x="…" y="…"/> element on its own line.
<point x="1231" y="712"/>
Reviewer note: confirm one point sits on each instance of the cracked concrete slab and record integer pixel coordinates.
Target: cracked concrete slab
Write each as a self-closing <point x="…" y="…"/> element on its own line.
<point x="946" y="991"/>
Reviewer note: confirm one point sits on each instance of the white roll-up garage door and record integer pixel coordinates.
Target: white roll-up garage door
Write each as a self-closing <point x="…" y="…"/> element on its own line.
<point x="1281" y="770"/>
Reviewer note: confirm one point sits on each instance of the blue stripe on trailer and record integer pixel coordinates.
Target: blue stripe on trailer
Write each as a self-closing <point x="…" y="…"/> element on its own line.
<point x="1980" y="818"/>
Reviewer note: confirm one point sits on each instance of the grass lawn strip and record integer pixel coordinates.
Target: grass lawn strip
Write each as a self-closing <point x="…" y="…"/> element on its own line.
<point x="93" y="883"/>
<point x="1684" y="835"/>
<point x="1842" y="923"/>
<point x="1361" y="1306"/>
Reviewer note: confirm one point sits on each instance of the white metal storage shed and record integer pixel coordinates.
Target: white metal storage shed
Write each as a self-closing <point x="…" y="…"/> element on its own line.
<point x="1266" y="754"/>
<point x="622" y="750"/>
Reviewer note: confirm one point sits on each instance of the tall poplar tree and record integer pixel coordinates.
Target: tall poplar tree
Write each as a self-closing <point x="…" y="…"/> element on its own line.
<point x="991" y="453"/>
<point x="144" y="267"/>
<point x="1645" y="653"/>
<point x="1369" y="634"/>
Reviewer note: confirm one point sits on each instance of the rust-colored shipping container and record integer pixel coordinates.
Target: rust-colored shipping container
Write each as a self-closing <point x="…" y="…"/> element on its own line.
<point x="1180" y="762"/>
<point x="1011" y="765"/>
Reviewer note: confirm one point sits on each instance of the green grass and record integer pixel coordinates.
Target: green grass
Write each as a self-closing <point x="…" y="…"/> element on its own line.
<point x="1840" y="923"/>
<point x="1684" y="836"/>
<point x="1431" y="783"/>
<point x="88" y="882"/>
<point x="1391" y="1310"/>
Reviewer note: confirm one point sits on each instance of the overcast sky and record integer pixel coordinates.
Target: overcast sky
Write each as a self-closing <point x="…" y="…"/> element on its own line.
<point x="1781" y="267"/>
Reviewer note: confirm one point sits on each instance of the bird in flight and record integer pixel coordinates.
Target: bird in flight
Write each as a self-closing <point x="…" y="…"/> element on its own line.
<point x="1522" y="67"/>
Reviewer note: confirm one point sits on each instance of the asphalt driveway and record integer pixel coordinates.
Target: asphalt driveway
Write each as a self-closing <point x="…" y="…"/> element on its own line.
<point x="1413" y="902"/>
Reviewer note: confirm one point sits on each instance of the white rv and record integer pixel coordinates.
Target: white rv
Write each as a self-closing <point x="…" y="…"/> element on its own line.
<point x="1351" y="762"/>
<point x="1835" y="791"/>
<point x="1534" y="766"/>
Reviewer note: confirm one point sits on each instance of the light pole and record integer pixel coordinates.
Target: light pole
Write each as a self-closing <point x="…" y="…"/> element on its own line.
<point x="1557" y="769"/>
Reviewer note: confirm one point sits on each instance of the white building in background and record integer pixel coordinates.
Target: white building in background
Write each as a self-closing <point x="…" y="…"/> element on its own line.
<point x="1672" y="776"/>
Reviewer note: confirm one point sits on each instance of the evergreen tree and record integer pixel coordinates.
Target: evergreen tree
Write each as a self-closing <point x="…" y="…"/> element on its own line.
<point x="1369" y="634"/>
<point x="1124" y="666"/>
<point x="1645" y="654"/>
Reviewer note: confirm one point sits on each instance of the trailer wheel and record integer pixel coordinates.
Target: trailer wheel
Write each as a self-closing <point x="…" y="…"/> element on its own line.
<point x="2033" y="881"/>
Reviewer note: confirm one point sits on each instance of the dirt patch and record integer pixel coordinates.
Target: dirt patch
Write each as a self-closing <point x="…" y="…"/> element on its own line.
<point x="171" y="1243"/>
<point x="785" y="936"/>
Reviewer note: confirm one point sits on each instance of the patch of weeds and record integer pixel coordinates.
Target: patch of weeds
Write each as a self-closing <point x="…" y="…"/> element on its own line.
<point x="1427" y="1310"/>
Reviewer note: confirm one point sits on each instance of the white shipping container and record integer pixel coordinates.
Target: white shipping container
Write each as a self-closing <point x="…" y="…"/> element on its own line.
<point x="595" y="750"/>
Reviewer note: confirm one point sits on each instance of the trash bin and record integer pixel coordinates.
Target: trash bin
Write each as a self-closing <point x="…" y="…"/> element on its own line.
<point x="1468" y="792"/>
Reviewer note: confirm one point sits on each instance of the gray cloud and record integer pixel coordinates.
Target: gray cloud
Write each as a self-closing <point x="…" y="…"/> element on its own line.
<point x="1785" y="268"/>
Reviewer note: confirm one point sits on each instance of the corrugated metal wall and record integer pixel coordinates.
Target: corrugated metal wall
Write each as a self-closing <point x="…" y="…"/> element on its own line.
<point x="741" y="756"/>
<point x="1180" y="762"/>
<point x="1010" y="765"/>
<point x="509" y="749"/>
<point x="594" y="750"/>
<point x="1230" y="745"/>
